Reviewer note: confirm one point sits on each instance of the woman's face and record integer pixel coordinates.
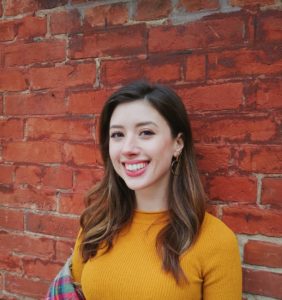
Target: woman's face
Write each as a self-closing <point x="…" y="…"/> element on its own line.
<point x="141" y="145"/>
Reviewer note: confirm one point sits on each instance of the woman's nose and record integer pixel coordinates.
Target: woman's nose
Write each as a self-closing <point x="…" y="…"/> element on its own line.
<point x="130" y="146"/>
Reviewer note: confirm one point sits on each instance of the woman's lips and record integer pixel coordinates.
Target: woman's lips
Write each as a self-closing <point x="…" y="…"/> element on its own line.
<point x="136" y="168"/>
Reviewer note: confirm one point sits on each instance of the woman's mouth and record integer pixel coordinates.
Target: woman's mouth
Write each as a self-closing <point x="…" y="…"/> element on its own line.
<point x="135" y="169"/>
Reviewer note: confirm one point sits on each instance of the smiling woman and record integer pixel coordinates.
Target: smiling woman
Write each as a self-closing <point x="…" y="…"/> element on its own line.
<point x="145" y="233"/>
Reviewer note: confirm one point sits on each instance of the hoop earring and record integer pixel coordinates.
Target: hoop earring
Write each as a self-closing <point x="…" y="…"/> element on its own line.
<point x="174" y="166"/>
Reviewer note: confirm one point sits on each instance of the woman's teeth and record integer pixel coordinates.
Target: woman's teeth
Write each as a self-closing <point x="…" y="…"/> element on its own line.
<point x="135" y="167"/>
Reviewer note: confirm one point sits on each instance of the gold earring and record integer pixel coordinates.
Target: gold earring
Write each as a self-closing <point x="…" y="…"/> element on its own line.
<point x="174" y="166"/>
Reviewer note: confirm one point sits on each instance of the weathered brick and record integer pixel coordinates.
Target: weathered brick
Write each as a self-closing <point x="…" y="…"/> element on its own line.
<point x="28" y="287"/>
<point x="244" y="62"/>
<point x="12" y="80"/>
<point x="234" y="129"/>
<point x="53" y="225"/>
<point x="80" y="154"/>
<point x="196" y="5"/>
<point x="88" y="102"/>
<point x="271" y="191"/>
<point x="152" y="9"/>
<point x="60" y="129"/>
<point x="63" y="250"/>
<point x="28" y="175"/>
<point x="128" y="40"/>
<point x="263" y="254"/>
<point x="195" y="67"/>
<point x="265" y="159"/>
<point x="211" y="158"/>
<point x="11" y="219"/>
<point x="31" y="198"/>
<point x="6" y="174"/>
<point x="263" y="283"/>
<point x="72" y="203"/>
<point x="27" y="245"/>
<point x="58" y="177"/>
<point x="16" y="7"/>
<point x="7" y="30"/>
<point x="36" y="152"/>
<point x="11" y="129"/>
<point x="1" y="104"/>
<point x="253" y="220"/>
<point x="156" y="70"/>
<point x="233" y="188"/>
<point x="10" y="262"/>
<point x="41" y="103"/>
<point x="86" y="178"/>
<point x="20" y="53"/>
<point x="212" y="97"/>
<point x="270" y="27"/>
<point x="197" y="35"/>
<point x="65" y="22"/>
<point x="251" y="2"/>
<point x="66" y="75"/>
<point x="31" y="26"/>
<point x="43" y="269"/>
<point x="105" y="15"/>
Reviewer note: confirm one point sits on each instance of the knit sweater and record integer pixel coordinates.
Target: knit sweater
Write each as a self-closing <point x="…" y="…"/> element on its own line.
<point x="132" y="269"/>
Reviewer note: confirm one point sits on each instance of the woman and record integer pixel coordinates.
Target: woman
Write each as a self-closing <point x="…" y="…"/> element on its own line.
<point x="145" y="233"/>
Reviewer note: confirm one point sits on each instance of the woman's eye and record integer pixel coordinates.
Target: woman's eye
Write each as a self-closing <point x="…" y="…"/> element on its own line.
<point x="146" y="133"/>
<point x="117" y="134"/>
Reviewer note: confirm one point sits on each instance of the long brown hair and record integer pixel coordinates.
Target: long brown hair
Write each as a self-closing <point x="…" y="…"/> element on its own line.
<point x="111" y="204"/>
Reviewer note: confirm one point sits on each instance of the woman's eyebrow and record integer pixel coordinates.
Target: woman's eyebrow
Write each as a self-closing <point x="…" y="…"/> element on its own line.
<point x="140" y="124"/>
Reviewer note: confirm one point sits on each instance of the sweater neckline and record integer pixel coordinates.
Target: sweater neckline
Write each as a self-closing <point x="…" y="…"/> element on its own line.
<point x="149" y="217"/>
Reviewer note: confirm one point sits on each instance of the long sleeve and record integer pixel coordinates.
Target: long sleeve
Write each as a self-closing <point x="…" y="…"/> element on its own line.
<point x="77" y="263"/>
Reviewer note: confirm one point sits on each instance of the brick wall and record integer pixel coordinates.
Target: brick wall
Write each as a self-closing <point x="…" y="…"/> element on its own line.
<point x="60" y="60"/>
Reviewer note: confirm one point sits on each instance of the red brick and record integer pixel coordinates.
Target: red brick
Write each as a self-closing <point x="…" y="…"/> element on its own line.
<point x="262" y="283"/>
<point x="271" y="191"/>
<point x="212" y="97"/>
<point x="105" y="15"/>
<point x="196" y="5"/>
<point x="252" y="220"/>
<point x="7" y="30"/>
<point x="80" y="154"/>
<point x="263" y="254"/>
<point x="234" y="129"/>
<point x="251" y="2"/>
<point x="26" y="245"/>
<point x="1" y="105"/>
<point x="211" y="158"/>
<point x="269" y="27"/>
<point x="28" y="287"/>
<point x="17" y="7"/>
<point x="6" y="174"/>
<point x="88" y="102"/>
<point x="195" y="67"/>
<point x="11" y="263"/>
<point x="12" y="80"/>
<point x="1" y="12"/>
<point x="37" y="152"/>
<point x="60" y="129"/>
<point x="11" y="129"/>
<point x="128" y="40"/>
<point x="52" y="4"/>
<point x="235" y="188"/>
<point x="63" y="250"/>
<point x="31" y="198"/>
<point x="42" y="103"/>
<point x="72" y="203"/>
<point x="53" y="225"/>
<point x="67" y="75"/>
<point x="244" y="62"/>
<point x="58" y="177"/>
<point x="42" y="269"/>
<point x="122" y="71"/>
<point x="152" y="9"/>
<point x="86" y="178"/>
<point x="263" y="159"/>
<point x="35" y="52"/>
<point x="197" y="35"/>
<point x="65" y="22"/>
<point x="11" y="219"/>
<point x="31" y="26"/>
<point x="28" y="175"/>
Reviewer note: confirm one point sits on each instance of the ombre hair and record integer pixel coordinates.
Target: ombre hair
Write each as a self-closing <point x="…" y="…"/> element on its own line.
<point x="111" y="204"/>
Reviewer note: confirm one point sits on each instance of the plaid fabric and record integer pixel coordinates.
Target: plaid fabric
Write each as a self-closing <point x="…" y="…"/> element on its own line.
<point x="63" y="287"/>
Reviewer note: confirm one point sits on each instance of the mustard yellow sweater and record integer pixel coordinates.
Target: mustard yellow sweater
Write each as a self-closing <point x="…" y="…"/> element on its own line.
<point x="132" y="269"/>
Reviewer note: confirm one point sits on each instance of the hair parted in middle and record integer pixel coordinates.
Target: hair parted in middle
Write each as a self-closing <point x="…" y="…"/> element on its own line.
<point x="111" y="204"/>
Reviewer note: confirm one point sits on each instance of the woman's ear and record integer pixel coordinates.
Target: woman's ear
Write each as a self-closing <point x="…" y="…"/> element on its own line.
<point x="179" y="144"/>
